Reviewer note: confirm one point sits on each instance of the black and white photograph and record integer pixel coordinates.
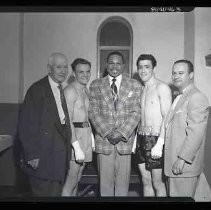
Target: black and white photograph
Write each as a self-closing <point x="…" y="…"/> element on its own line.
<point x="105" y="104"/>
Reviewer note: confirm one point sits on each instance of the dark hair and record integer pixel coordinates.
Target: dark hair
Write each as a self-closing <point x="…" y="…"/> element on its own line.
<point x="189" y="64"/>
<point x="79" y="61"/>
<point x="116" y="53"/>
<point x="147" y="57"/>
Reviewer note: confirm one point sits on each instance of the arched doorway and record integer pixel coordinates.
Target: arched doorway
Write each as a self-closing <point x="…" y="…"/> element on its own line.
<point x="114" y="33"/>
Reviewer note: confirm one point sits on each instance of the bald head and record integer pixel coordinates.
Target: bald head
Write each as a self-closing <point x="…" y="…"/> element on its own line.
<point x="54" y="56"/>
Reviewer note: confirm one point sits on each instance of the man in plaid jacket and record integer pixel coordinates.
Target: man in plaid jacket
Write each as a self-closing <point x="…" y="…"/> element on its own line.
<point x="114" y="115"/>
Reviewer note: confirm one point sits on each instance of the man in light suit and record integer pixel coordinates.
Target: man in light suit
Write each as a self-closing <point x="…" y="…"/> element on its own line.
<point x="44" y="131"/>
<point x="114" y="112"/>
<point x="186" y="125"/>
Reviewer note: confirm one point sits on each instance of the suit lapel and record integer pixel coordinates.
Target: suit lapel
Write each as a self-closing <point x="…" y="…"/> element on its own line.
<point x="106" y="93"/>
<point x="179" y="104"/>
<point x="52" y="105"/>
<point x="123" y="92"/>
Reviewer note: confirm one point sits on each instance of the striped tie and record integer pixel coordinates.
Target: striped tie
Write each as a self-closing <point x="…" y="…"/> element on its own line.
<point x="114" y="92"/>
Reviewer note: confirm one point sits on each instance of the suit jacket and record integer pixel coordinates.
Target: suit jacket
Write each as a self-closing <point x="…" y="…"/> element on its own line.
<point x="186" y="132"/>
<point x="104" y="117"/>
<point x="42" y="135"/>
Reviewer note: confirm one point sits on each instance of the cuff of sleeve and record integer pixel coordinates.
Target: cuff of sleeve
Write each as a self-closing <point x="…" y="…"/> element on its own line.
<point x="31" y="157"/>
<point x="106" y="133"/>
<point x="186" y="159"/>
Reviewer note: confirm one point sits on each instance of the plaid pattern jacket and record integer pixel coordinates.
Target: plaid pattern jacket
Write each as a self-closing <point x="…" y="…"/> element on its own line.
<point x="104" y="118"/>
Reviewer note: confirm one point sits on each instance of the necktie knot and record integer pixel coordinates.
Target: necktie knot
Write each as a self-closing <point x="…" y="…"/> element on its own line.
<point x="60" y="86"/>
<point x="114" y="80"/>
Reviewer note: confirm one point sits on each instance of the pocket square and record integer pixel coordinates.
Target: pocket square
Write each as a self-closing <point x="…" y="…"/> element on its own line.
<point x="130" y="93"/>
<point x="179" y="111"/>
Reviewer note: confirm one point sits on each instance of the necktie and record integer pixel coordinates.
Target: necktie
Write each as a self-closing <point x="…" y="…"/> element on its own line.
<point x="64" y="105"/>
<point x="67" y="123"/>
<point x="114" y="92"/>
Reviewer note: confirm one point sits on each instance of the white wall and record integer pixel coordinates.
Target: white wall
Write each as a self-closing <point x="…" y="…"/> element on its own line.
<point x="202" y="48"/>
<point x="75" y="34"/>
<point x="9" y="57"/>
<point x="161" y="34"/>
<point x="189" y="36"/>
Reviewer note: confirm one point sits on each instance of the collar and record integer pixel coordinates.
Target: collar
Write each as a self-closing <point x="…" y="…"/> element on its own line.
<point x="118" y="79"/>
<point x="187" y="88"/>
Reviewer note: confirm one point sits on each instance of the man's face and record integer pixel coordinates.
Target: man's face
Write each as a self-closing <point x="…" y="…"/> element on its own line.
<point x="115" y="65"/>
<point x="180" y="76"/>
<point x="59" y="69"/>
<point x="82" y="73"/>
<point x="145" y="70"/>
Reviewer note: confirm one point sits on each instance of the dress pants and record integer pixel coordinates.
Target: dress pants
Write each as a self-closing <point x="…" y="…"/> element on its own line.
<point x="182" y="186"/>
<point x="45" y="188"/>
<point x="114" y="171"/>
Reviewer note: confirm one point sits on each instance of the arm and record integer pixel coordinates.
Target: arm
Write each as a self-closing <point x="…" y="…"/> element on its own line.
<point x="71" y="97"/>
<point x="198" y="110"/>
<point x="165" y="99"/>
<point x="197" y="117"/>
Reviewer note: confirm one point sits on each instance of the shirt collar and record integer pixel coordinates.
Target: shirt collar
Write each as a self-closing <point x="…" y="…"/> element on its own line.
<point x="118" y="79"/>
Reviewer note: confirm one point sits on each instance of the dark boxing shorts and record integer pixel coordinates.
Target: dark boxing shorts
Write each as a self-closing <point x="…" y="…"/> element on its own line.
<point x="143" y="152"/>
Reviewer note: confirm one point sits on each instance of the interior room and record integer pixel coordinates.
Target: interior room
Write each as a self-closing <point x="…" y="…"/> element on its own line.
<point x="28" y="38"/>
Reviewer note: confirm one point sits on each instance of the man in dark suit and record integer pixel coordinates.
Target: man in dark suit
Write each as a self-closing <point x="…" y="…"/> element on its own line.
<point x="114" y="112"/>
<point x="44" y="131"/>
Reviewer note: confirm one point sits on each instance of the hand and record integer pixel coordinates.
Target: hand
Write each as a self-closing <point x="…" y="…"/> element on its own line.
<point x="157" y="150"/>
<point x="79" y="154"/>
<point x="110" y="137"/>
<point x="178" y="166"/>
<point x="115" y="137"/>
<point x="33" y="163"/>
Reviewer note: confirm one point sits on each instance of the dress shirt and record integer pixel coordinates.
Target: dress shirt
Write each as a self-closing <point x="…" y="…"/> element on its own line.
<point x="178" y="97"/>
<point x="56" y="93"/>
<point x="117" y="82"/>
<point x="175" y="101"/>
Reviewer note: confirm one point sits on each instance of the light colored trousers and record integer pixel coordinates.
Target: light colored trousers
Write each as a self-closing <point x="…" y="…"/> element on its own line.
<point x="114" y="173"/>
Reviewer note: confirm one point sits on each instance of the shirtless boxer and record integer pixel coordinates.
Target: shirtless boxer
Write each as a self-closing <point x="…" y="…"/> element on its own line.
<point x="78" y="103"/>
<point x="155" y="103"/>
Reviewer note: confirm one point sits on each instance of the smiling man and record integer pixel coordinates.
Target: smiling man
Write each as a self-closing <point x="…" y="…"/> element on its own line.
<point x="78" y="104"/>
<point x="155" y="104"/>
<point x="186" y="126"/>
<point x="114" y="112"/>
<point x="44" y="131"/>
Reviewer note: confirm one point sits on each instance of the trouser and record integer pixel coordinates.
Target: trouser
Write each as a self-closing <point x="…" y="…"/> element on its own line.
<point x="47" y="188"/>
<point x="182" y="186"/>
<point x="114" y="171"/>
<point x="73" y="178"/>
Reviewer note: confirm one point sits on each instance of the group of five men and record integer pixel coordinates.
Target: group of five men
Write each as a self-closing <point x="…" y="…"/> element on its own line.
<point x="117" y="116"/>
